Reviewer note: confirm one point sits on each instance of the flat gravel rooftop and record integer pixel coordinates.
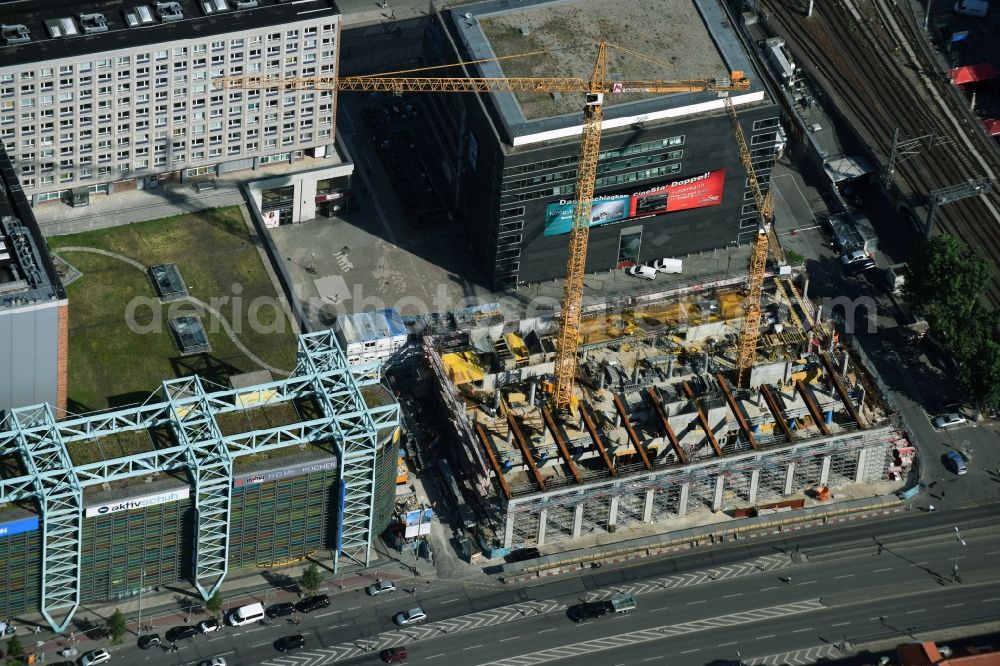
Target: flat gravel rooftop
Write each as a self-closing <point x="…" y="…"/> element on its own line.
<point x="671" y="33"/>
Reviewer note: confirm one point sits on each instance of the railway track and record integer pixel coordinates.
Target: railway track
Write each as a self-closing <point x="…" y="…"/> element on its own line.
<point x="866" y="55"/>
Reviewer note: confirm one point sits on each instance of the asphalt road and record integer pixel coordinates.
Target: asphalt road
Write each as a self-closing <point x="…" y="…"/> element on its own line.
<point x="768" y="598"/>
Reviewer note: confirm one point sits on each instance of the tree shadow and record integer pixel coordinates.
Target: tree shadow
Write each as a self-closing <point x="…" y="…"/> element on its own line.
<point x="281" y="581"/>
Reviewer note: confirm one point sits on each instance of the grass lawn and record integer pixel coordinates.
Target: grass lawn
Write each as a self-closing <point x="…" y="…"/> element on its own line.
<point x="111" y="365"/>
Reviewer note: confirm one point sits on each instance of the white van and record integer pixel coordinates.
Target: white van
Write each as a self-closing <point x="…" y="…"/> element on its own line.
<point x="977" y="8"/>
<point x="245" y="615"/>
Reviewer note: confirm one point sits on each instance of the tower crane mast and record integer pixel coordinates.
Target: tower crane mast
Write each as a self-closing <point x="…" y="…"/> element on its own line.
<point x="594" y="89"/>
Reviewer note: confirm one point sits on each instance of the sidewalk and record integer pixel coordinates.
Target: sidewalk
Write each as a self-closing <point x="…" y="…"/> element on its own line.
<point x="168" y="606"/>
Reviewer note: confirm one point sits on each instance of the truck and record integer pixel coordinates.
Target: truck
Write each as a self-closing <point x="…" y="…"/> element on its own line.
<point x="593" y="610"/>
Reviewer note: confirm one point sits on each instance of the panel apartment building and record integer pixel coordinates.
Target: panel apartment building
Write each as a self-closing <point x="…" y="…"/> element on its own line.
<point x="669" y="179"/>
<point x="114" y="95"/>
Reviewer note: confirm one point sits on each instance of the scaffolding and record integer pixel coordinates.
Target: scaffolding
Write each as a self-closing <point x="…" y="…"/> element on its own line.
<point x="202" y="451"/>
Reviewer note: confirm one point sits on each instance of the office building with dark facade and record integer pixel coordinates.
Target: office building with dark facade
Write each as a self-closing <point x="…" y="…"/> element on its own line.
<point x="670" y="181"/>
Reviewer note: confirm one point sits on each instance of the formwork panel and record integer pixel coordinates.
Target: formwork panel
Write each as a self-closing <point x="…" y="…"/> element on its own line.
<point x="877" y="463"/>
<point x="526" y="528"/>
<point x="595" y="514"/>
<point x="772" y="482"/>
<point x="737" y="488"/>
<point x="701" y="493"/>
<point x="630" y="508"/>
<point x="843" y="468"/>
<point x="559" y="523"/>
<point x="807" y="474"/>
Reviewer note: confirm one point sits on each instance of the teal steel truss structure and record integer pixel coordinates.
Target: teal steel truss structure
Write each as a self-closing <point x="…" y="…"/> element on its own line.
<point x="189" y="410"/>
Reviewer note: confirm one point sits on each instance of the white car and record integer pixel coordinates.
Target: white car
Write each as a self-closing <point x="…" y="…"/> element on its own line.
<point x="951" y="420"/>
<point x="381" y="587"/>
<point x="853" y="257"/>
<point x="215" y="661"/>
<point x="644" y="272"/>
<point x="668" y="265"/>
<point x="208" y="626"/>
<point x="412" y="616"/>
<point x="95" y="657"/>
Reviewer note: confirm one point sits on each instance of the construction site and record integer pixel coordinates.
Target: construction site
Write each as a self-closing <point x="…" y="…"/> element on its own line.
<point x="659" y="428"/>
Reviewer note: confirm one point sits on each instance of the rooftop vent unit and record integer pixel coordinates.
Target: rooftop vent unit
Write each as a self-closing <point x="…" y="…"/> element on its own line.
<point x="139" y="16"/>
<point x="62" y="27"/>
<point x="169" y="11"/>
<point x="15" y="34"/>
<point x="213" y="6"/>
<point x="93" y="23"/>
<point x="245" y="4"/>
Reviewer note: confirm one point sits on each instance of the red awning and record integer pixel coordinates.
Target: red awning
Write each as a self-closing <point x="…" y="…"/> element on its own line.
<point x="984" y="71"/>
<point x="992" y="126"/>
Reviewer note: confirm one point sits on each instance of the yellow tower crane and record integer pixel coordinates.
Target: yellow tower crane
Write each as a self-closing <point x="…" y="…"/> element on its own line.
<point x="746" y="352"/>
<point x="593" y="89"/>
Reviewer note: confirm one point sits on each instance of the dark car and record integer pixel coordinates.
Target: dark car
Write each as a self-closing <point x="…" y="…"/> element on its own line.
<point x="396" y="655"/>
<point x="522" y="554"/>
<point x="178" y="633"/>
<point x="858" y="267"/>
<point x="954" y="461"/>
<point x="588" y="611"/>
<point x="280" y="610"/>
<point x="309" y="604"/>
<point x="148" y="641"/>
<point x="286" y="643"/>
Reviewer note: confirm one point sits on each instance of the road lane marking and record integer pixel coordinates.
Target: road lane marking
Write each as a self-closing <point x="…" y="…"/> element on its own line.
<point x="435" y="656"/>
<point x="259" y="644"/>
<point x="914" y="612"/>
<point x="844" y="576"/>
<point x="840" y="624"/>
<point x="954" y="605"/>
<point x="354" y="608"/>
<point x="450" y="600"/>
<point x="986" y="601"/>
<point x="730" y="596"/>
<point x="512" y="638"/>
<point x="799" y="631"/>
<point x="807" y="582"/>
<point x="700" y="601"/>
<point x="471" y="647"/>
<point x="993" y="552"/>
<point x="690" y="651"/>
<point x="330" y="613"/>
<point x="653" y="610"/>
<point x="882" y="570"/>
<point x="920" y="564"/>
<point x="760" y="638"/>
<point x="654" y="658"/>
<point x="725" y="644"/>
<point x="545" y="630"/>
<point x="765" y="589"/>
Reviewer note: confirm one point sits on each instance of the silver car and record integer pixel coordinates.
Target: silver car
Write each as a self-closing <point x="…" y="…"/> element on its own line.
<point x="412" y="616"/>
<point x="950" y="420"/>
<point x="380" y="587"/>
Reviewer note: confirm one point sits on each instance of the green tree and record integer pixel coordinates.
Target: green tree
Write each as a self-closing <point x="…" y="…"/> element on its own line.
<point x="311" y="579"/>
<point x="944" y="283"/>
<point x="214" y="604"/>
<point x="980" y="376"/>
<point x="14" y="650"/>
<point x="116" y="627"/>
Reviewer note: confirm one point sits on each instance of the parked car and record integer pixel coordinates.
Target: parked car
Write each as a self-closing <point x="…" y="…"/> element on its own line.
<point x="644" y="272"/>
<point x="148" y="641"/>
<point x="175" y="634"/>
<point x="309" y="604"/>
<point x="858" y="267"/>
<point x="380" y="587"/>
<point x="588" y="611"/>
<point x="281" y="610"/>
<point x="949" y="420"/>
<point x="412" y="616"/>
<point x="954" y="461"/>
<point x="214" y="661"/>
<point x="396" y="655"/>
<point x="667" y="265"/>
<point x="208" y="626"/>
<point x="95" y="657"/>
<point x="287" y="643"/>
<point x="854" y="256"/>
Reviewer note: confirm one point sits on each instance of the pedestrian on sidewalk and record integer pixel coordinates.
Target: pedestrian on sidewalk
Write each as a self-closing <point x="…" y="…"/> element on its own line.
<point x="298" y="620"/>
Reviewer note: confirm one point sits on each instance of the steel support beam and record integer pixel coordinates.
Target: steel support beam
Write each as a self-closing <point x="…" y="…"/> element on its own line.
<point x="737" y="411"/>
<point x="654" y="398"/>
<point x="561" y="443"/>
<point x="588" y="421"/>
<point x="633" y="437"/>
<point x="504" y="487"/>
<point x="838" y="384"/>
<point x="810" y="400"/>
<point x="779" y="415"/>
<point x="522" y="444"/>
<point x="703" y="418"/>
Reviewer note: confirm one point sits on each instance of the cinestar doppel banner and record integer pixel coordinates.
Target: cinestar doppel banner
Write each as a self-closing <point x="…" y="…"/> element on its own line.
<point x="684" y="194"/>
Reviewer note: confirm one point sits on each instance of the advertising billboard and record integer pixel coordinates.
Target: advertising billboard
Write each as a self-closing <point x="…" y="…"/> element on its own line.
<point x="138" y="502"/>
<point x="696" y="192"/>
<point x="285" y="472"/>
<point x="13" y="527"/>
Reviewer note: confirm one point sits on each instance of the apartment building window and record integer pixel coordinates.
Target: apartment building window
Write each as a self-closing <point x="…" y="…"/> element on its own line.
<point x="27" y="76"/>
<point x="141" y="58"/>
<point x="218" y="60"/>
<point x="198" y="63"/>
<point x="66" y="82"/>
<point x="180" y="51"/>
<point x="234" y="136"/>
<point x="254" y="53"/>
<point x="124" y="74"/>
<point x="309" y="44"/>
<point x="28" y="89"/>
<point x="199" y="48"/>
<point x="273" y="50"/>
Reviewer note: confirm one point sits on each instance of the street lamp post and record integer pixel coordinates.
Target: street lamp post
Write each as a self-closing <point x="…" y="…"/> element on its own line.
<point x="959" y="542"/>
<point x="142" y="580"/>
